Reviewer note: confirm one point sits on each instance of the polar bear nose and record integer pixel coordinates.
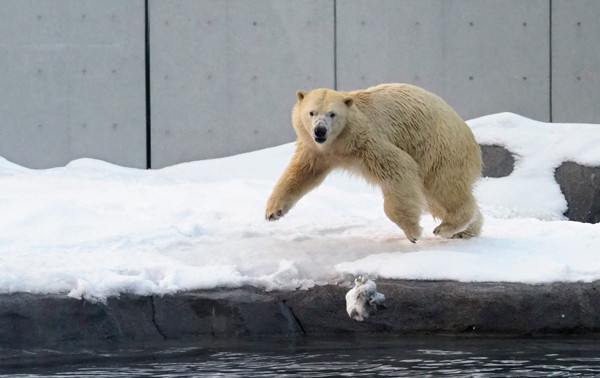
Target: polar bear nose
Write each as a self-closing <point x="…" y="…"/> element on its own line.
<point x="320" y="131"/>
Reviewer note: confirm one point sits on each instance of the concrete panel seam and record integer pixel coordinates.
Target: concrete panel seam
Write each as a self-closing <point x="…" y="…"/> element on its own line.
<point x="148" y="91"/>
<point x="550" y="60"/>
<point x="335" y="68"/>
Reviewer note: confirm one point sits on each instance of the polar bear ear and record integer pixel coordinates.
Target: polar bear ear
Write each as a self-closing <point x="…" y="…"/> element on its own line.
<point x="300" y="95"/>
<point x="348" y="101"/>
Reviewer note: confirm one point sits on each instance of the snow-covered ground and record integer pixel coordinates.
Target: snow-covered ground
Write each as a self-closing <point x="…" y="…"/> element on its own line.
<point x="93" y="229"/>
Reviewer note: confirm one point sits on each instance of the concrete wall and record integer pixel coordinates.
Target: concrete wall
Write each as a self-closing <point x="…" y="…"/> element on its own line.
<point x="576" y="61"/>
<point x="72" y="81"/>
<point x="223" y="73"/>
<point x="481" y="56"/>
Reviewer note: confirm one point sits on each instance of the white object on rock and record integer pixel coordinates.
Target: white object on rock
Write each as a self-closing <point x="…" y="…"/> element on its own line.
<point x="363" y="300"/>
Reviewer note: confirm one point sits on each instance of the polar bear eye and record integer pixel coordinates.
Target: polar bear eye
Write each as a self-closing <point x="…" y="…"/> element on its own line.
<point x="331" y="115"/>
<point x="311" y="114"/>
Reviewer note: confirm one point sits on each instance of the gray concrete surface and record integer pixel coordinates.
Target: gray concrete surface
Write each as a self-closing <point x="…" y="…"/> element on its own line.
<point x="29" y="321"/>
<point x="224" y="73"/>
<point x="72" y="82"/>
<point x="482" y="57"/>
<point x="575" y="61"/>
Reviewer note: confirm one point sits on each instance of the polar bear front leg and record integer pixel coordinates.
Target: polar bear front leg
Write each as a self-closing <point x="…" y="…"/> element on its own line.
<point x="398" y="175"/>
<point x="303" y="174"/>
<point x="405" y="210"/>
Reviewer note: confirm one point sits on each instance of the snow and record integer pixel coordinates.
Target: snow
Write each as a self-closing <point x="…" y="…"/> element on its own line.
<point x="540" y="148"/>
<point x="92" y="229"/>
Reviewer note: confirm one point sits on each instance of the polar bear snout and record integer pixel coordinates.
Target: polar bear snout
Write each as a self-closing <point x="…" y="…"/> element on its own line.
<point x="320" y="132"/>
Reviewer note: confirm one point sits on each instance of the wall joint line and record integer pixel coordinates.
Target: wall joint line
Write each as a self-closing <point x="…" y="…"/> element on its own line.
<point x="148" y="93"/>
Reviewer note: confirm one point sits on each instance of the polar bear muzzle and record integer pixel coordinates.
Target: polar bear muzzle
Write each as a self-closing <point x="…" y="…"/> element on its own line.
<point x="320" y="131"/>
<point x="320" y="134"/>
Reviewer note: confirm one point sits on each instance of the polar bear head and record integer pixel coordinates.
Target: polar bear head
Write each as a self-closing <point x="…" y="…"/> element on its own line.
<point x="322" y="114"/>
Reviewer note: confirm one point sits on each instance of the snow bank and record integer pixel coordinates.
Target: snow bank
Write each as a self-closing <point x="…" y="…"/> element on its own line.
<point x="531" y="191"/>
<point x="92" y="229"/>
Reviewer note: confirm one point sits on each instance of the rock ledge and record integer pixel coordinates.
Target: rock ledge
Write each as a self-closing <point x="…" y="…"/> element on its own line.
<point x="29" y="321"/>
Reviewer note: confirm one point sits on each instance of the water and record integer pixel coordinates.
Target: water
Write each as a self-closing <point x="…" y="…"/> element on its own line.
<point x="358" y="357"/>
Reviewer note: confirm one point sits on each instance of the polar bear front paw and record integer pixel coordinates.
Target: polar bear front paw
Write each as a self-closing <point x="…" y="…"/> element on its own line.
<point x="276" y="208"/>
<point x="273" y="216"/>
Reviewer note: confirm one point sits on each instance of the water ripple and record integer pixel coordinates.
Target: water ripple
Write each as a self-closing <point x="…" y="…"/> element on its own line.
<point x="397" y="358"/>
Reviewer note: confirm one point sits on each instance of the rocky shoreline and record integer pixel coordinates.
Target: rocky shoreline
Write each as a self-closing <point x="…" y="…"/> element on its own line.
<point x="32" y="321"/>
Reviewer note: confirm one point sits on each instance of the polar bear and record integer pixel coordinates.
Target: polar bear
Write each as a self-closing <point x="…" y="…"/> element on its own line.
<point x="400" y="137"/>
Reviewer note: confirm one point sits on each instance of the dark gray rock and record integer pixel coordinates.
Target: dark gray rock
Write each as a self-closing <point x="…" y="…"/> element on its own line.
<point x="222" y="313"/>
<point x="38" y="321"/>
<point x="29" y="321"/>
<point x="497" y="161"/>
<point x="581" y="187"/>
<point x="449" y="307"/>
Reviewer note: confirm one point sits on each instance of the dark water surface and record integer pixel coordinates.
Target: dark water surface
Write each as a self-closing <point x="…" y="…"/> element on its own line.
<point x="362" y="357"/>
